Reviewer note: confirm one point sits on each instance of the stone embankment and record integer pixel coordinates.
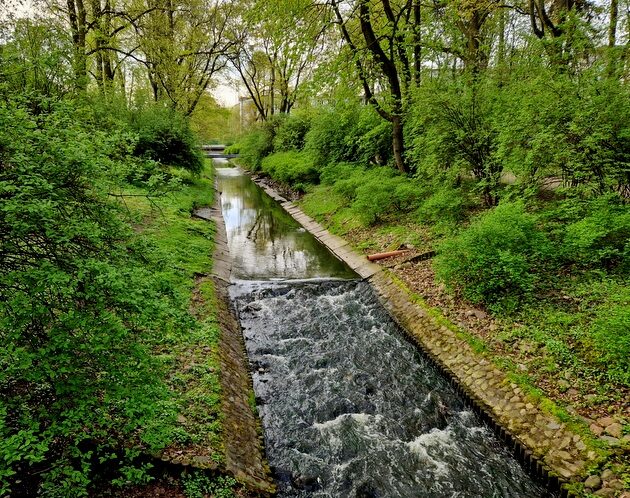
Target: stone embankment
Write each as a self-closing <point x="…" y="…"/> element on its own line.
<point x="543" y="443"/>
<point x="244" y="447"/>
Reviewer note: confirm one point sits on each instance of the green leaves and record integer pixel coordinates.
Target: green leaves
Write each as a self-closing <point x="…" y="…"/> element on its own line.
<point x="492" y="260"/>
<point x="82" y="305"/>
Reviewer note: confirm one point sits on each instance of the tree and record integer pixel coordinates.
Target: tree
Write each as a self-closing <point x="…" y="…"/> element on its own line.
<point x="382" y="59"/>
<point x="184" y="44"/>
<point x="271" y="61"/>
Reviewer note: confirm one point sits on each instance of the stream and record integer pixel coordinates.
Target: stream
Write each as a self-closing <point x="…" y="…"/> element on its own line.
<point x="349" y="406"/>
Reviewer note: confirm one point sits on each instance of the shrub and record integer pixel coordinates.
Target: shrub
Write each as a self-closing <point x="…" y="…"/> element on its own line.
<point x="336" y="172"/>
<point x="451" y="134"/>
<point x="291" y="168"/>
<point x="445" y="205"/>
<point x="165" y="136"/>
<point x="77" y="380"/>
<point x="291" y="132"/>
<point x="380" y="192"/>
<point x="601" y="236"/>
<point x="562" y="126"/>
<point x="327" y="140"/>
<point x="371" y="138"/>
<point x="611" y="333"/>
<point x="493" y="260"/>
<point x="233" y="149"/>
<point x="256" y="145"/>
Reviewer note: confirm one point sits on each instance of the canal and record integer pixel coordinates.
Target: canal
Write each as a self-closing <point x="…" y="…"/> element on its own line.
<point x="349" y="406"/>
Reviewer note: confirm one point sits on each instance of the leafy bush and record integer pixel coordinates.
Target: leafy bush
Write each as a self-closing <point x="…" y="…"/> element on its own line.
<point x="611" y="333"/>
<point x="291" y="168"/>
<point x="601" y="236"/>
<point x="78" y="310"/>
<point x="233" y="149"/>
<point x="493" y="260"/>
<point x="291" y="132"/>
<point x="379" y="192"/>
<point x="256" y="145"/>
<point x="371" y="138"/>
<point x="577" y="129"/>
<point x="451" y="134"/>
<point x="445" y="205"/>
<point x="198" y="485"/>
<point x="165" y="136"/>
<point x="336" y="172"/>
<point x="327" y="140"/>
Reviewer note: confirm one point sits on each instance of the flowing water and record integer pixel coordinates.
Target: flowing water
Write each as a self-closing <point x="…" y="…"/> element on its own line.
<point x="350" y="408"/>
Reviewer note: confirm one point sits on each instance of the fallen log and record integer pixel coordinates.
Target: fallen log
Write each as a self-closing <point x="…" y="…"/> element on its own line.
<point x="383" y="255"/>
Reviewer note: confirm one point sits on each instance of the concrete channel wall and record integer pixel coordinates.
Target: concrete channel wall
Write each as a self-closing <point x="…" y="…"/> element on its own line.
<point x="549" y="449"/>
<point x="244" y="445"/>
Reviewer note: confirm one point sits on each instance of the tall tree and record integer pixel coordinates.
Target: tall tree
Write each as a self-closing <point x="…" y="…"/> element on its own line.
<point x="184" y="43"/>
<point x="382" y="57"/>
<point x="272" y="61"/>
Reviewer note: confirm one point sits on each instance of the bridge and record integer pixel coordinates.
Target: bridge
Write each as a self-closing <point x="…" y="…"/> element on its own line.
<point x="216" y="151"/>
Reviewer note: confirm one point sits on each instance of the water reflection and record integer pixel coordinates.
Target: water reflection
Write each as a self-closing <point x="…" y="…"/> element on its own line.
<point x="266" y="242"/>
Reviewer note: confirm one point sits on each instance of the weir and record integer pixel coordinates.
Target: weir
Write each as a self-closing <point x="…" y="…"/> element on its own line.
<point x="350" y="407"/>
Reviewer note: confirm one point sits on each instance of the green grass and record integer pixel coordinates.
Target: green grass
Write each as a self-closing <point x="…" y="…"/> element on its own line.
<point x="181" y="246"/>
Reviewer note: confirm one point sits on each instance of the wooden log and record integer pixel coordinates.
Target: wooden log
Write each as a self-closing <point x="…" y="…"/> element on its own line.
<point x="383" y="255"/>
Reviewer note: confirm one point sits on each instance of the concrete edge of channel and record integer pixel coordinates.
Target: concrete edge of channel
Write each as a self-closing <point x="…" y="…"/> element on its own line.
<point x="245" y="457"/>
<point x="539" y="461"/>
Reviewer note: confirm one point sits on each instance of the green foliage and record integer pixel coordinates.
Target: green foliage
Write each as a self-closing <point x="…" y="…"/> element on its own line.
<point x="445" y="205"/>
<point x="33" y="63"/>
<point x="328" y="138"/>
<point x="233" y="149"/>
<point x="376" y="193"/>
<point x="335" y="172"/>
<point x="165" y="136"/>
<point x="198" y="485"/>
<point x="256" y="145"/>
<point x="611" y="335"/>
<point x="493" y="260"/>
<point x="372" y="138"/>
<point x="453" y="136"/>
<point x="576" y="129"/>
<point x="212" y="123"/>
<point x="83" y="302"/>
<point x="348" y="133"/>
<point x="291" y="133"/>
<point x="293" y="168"/>
<point x="601" y="236"/>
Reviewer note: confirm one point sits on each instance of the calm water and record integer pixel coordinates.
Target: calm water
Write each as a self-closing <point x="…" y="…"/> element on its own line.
<point x="350" y="408"/>
<point x="265" y="241"/>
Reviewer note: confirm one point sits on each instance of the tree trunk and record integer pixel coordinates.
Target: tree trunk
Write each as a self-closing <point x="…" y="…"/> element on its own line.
<point x="77" y="18"/>
<point x="417" y="43"/>
<point x="398" y="143"/>
<point x="612" y="27"/>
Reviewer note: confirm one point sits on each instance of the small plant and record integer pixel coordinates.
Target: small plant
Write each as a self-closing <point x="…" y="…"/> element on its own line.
<point x="199" y="485"/>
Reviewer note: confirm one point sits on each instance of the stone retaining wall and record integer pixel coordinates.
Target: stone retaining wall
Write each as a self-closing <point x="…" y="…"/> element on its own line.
<point x="545" y="445"/>
<point x="244" y="446"/>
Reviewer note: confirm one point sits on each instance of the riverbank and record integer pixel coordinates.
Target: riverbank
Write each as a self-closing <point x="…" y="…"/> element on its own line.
<point x="564" y="439"/>
<point x="215" y="444"/>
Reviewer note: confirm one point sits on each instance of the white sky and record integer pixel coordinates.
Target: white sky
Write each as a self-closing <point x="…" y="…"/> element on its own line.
<point x="226" y="95"/>
<point x="19" y="8"/>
